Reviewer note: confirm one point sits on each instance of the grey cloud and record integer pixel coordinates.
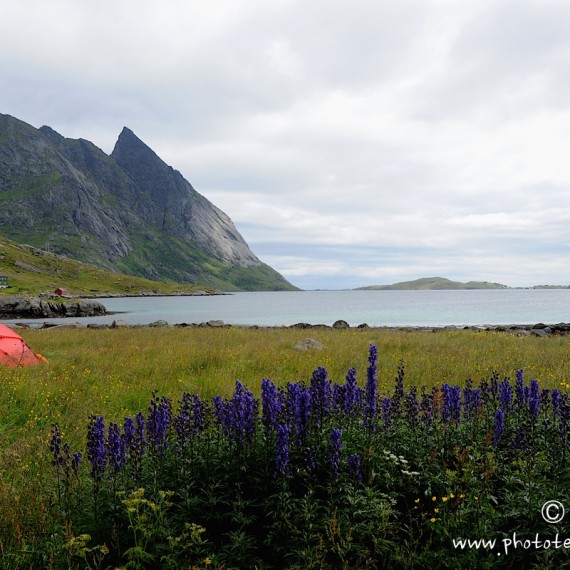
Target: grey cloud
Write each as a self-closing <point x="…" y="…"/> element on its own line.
<point x="511" y="55"/>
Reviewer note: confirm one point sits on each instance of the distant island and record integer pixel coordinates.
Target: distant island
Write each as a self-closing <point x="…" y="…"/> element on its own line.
<point x="434" y="283"/>
<point x="441" y="284"/>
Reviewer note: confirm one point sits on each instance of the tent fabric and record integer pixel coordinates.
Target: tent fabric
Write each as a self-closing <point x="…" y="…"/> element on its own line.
<point x="14" y="351"/>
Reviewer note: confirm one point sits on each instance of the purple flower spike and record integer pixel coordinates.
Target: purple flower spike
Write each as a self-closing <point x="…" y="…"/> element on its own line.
<point x="116" y="448"/>
<point x="505" y="395"/>
<point x="55" y="446"/>
<point x="159" y="414"/>
<point x="352" y="394"/>
<point x="499" y="428"/>
<point x="370" y="409"/>
<point x="534" y="400"/>
<point x="335" y="445"/>
<point x="96" y="449"/>
<point x="520" y="398"/>
<point x="451" y="410"/>
<point x="76" y="461"/>
<point x="354" y="469"/>
<point x="271" y="405"/>
<point x="387" y="412"/>
<point x="282" y="451"/>
<point x="321" y="394"/>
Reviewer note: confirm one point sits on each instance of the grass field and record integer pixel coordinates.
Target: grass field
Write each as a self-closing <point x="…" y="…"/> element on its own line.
<point x="113" y="372"/>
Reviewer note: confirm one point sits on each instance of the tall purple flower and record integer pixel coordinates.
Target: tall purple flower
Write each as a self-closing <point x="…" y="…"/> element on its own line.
<point x="354" y="470"/>
<point x="240" y="415"/>
<point x="499" y="428"/>
<point x="190" y="418"/>
<point x="451" y="410"/>
<point x="494" y="387"/>
<point x="221" y="411"/>
<point x="199" y="409"/>
<point x="398" y="396"/>
<point x="371" y="405"/>
<point x="271" y="405"/>
<point x="129" y="431"/>
<point x="321" y="394"/>
<point x="55" y="446"/>
<point x="116" y="448"/>
<point x="335" y="445"/>
<point x="520" y="399"/>
<point x="135" y="440"/>
<point x="564" y="414"/>
<point x="471" y="401"/>
<point x="534" y="400"/>
<point x="299" y="399"/>
<point x="282" y="450"/>
<point x="182" y="420"/>
<point x="352" y="394"/>
<point x="505" y="395"/>
<point x="338" y="397"/>
<point x="158" y="421"/>
<point x="555" y="401"/>
<point x="76" y="461"/>
<point x="140" y="431"/>
<point x="237" y="416"/>
<point x="387" y="412"/>
<point x="96" y="449"/>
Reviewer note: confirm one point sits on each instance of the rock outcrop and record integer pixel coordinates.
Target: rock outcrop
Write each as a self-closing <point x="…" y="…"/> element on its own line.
<point x="23" y="308"/>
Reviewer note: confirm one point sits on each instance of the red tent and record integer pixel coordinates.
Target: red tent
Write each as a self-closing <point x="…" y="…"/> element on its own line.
<point x="14" y="351"/>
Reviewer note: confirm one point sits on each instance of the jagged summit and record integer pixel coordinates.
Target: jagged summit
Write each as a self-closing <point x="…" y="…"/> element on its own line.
<point x="128" y="211"/>
<point x="181" y="210"/>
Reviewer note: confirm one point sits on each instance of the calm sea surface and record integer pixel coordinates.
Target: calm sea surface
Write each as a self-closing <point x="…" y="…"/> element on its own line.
<point x="376" y="308"/>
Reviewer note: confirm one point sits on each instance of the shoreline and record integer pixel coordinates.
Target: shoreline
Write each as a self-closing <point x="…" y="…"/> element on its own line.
<point x="517" y="329"/>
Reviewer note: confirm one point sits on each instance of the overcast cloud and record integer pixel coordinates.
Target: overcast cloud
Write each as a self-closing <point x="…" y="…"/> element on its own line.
<point x="352" y="143"/>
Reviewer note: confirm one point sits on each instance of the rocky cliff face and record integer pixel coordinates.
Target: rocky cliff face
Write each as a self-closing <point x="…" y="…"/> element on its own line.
<point x="129" y="211"/>
<point x="177" y="208"/>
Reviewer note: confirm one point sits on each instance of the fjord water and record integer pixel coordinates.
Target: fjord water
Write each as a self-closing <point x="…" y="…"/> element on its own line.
<point x="376" y="308"/>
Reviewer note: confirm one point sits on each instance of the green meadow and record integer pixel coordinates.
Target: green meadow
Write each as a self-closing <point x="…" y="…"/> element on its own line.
<point x="113" y="372"/>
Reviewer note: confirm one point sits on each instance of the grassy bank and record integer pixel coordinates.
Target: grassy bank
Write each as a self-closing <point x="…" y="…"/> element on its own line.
<point x="113" y="372"/>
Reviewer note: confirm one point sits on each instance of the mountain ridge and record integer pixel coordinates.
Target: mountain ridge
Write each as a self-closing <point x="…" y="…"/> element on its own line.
<point x="128" y="211"/>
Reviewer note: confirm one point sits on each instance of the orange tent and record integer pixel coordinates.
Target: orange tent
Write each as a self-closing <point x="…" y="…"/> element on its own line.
<point x="14" y="351"/>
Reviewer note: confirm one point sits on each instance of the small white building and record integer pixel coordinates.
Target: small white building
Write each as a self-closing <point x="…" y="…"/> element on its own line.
<point x="3" y="281"/>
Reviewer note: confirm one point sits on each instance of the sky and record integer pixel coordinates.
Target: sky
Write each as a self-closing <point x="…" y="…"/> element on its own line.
<point x="352" y="143"/>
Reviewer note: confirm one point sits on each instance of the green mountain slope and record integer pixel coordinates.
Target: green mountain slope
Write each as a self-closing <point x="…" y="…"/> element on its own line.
<point x="32" y="271"/>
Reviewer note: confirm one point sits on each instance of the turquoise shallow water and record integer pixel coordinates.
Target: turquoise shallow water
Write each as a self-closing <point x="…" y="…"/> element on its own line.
<point x="376" y="308"/>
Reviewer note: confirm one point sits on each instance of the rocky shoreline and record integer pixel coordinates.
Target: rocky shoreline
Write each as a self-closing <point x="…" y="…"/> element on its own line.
<point x="15" y="308"/>
<point x="537" y="329"/>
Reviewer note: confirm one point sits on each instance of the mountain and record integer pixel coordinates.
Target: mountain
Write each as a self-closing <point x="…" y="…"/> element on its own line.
<point x="128" y="212"/>
<point x="435" y="283"/>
